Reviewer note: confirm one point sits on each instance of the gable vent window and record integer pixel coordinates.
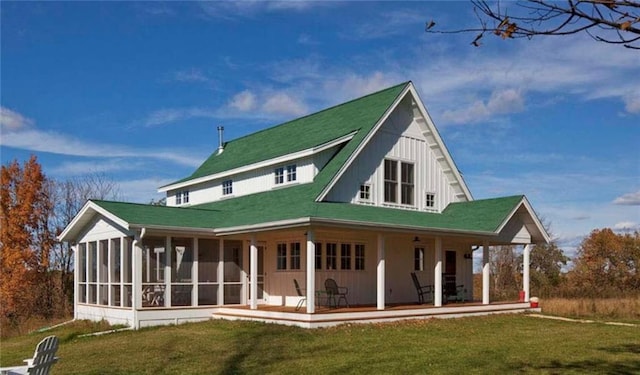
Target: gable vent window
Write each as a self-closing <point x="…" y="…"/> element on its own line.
<point x="279" y="173"/>
<point x="290" y="171"/>
<point x="227" y="187"/>
<point x="430" y="201"/>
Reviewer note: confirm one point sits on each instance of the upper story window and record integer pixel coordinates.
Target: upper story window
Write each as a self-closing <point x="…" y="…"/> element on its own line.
<point x="390" y="181"/>
<point x="407" y="184"/>
<point x="182" y="197"/>
<point x="291" y="174"/>
<point x="365" y="192"/>
<point x="227" y="187"/>
<point x="404" y="190"/>
<point x="430" y="200"/>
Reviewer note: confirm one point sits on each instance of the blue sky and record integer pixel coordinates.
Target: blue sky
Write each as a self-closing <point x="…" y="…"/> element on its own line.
<point x="135" y="90"/>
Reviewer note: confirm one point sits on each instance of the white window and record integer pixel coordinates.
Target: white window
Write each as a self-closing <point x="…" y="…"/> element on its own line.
<point x="294" y="255"/>
<point x="404" y="174"/>
<point x="406" y="180"/>
<point x="281" y="256"/>
<point x="365" y="192"/>
<point x="227" y="187"/>
<point x="390" y="181"/>
<point x="359" y="256"/>
<point x="291" y="173"/>
<point x="418" y="260"/>
<point x="279" y="174"/>
<point x="430" y="200"/>
<point x="182" y="197"/>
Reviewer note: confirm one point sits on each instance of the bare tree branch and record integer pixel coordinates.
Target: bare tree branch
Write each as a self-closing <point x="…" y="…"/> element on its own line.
<point x="607" y="21"/>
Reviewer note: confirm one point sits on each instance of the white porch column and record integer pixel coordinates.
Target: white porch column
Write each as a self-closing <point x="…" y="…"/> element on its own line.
<point x="221" y="272"/>
<point x="76" y="278"/>
<point x="253" y="273"/>
<point x="311" y="272"/>
<point x="526" y="257"/>
<point x="437" y="282"/>
<point x="485" y="273"/>
<point x="136" y="270"/>
<point x="167" y="272"/>
<point x="380" y="282"/>
<point x="195" y="272"/>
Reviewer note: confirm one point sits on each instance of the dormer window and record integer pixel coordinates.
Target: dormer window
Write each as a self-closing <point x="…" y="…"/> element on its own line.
<point x="227" y="187"/>
<point x="291" y="174"/>
<point x="430" y="201"/>
<point x="182" y="197"/>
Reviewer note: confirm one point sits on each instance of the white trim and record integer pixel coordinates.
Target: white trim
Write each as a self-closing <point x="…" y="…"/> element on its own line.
<point x="363" y="143"/>
<point x="261" y="164"/>
<point x="423" y="111"/>
<point x="89" y="205"/>
<point x="525" y="202"/>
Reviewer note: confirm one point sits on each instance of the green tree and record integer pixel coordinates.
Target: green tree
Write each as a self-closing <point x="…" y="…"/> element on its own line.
<point x="547" y="261"/>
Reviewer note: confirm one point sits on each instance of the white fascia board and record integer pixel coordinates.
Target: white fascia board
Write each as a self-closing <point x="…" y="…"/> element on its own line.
<point x="443" y="147"/>
<point x="167" y="228"/>
<point x="525" y="203"/>
<point x="281" y="224"/>
<point x="261" y="164"/>
<point x="365" y="141"/>
<point x="395" y="227"/>
<point x="89" y="208"/>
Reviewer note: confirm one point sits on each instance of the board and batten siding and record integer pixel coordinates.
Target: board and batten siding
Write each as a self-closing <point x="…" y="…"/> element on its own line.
<point x="403" y="137"/>
<point x="253" y="181"/>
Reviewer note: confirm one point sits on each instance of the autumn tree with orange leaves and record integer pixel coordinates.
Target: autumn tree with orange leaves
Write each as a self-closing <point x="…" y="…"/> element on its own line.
<point x="25" y="242"/>
<point x="607" y="264"/>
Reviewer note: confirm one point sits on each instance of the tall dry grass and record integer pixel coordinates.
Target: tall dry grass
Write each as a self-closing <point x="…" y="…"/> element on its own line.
<point x="597" y="308"/>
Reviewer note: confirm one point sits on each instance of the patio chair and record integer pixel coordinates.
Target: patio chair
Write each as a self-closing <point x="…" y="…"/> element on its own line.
<point x="422" y="290"/>
<point x="43" y="359"/>
<point x="451" y="291"/>
<point x="300" y="294"/>
<point x="334" y="290"/>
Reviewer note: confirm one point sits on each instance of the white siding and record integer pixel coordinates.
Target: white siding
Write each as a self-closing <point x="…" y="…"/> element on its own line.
<point x="246" y="183"/>
<point x="101" y="229"/>
<point x="403" y="137"/>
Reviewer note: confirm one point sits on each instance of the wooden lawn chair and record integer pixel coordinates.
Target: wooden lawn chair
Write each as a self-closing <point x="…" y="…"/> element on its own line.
<point x="43" y="359"/>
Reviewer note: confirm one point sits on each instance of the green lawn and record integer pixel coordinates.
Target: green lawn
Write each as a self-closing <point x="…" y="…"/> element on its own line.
<point x="502" y="344"/>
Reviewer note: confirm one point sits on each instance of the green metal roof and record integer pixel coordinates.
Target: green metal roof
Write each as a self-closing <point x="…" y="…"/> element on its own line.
<point x="485" y="215"/>
<point x="359" y="115"/>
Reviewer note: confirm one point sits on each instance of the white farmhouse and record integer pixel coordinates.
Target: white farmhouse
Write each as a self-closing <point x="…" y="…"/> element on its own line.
<point x="364" y="194"/>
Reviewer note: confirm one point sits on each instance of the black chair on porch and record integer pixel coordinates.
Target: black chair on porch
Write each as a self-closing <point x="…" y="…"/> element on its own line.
<point x="422" y="290"/>
<point x="300" y="294"/>
<point x="333" y="291"/>
<point x="451" y="291"/>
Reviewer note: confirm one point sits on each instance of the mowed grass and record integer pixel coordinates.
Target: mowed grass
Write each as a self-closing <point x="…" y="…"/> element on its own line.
<point x="497" y="344"/>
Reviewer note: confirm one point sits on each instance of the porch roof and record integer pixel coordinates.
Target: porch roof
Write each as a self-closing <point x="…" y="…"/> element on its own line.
<point x="276" y="208"/>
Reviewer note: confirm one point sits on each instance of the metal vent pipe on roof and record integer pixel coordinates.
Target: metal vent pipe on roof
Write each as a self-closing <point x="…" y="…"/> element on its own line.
<point x="220" y="140"/>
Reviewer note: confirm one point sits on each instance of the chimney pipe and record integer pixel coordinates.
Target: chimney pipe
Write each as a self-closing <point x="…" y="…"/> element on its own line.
<point x="220" y="140"/>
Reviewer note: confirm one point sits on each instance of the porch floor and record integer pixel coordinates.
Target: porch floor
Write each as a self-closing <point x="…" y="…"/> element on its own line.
<point x="327" y="317"/>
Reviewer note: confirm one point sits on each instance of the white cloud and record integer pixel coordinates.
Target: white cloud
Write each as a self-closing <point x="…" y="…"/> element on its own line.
<point x="243" y="101"/>
<point x="77" y="168"/>
<point x="12" y="120"/>
<point x="169" y="115"/>
<point x="386" y="24"/>
<point x="190" y="75"/>
<point x="632" y="102"/>
<point x="629" y="199"/>
<point x="142" y="190"/>
<point x="281" y="103"/>
<point x="626" y="226"/>
<point x="501" y="102"/>
<point x="61" y="144"/>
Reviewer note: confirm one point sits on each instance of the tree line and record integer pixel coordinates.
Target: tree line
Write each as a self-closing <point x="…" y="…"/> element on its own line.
<point x="606" y="265"/>
<point x="36" y="271"/>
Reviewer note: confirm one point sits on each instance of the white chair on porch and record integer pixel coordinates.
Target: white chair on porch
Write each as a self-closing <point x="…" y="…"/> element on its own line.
<point x="43" y="359"/>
